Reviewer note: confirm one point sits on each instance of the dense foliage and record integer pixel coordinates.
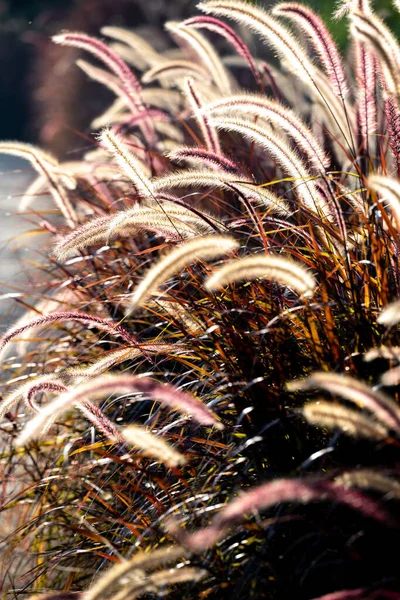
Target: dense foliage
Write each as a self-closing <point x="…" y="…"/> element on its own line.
<point x="227" y="248"/>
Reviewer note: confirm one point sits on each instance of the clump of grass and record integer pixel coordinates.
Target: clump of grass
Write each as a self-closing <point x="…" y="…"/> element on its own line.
<point x="220" y="254"/>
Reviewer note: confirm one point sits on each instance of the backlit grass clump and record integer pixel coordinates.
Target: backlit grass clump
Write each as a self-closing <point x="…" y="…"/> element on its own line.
<point x="201" y="400"/>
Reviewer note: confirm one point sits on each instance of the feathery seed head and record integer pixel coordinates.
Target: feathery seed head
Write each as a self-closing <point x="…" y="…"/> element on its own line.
<point x="269" y="266"/>
<point x="371" y="30"/>
<point x="282" y="154"/>
<point x="101" y="386"/>
<point x="278" y="115"/>
<point x="131" y="573"/>
<point x="312" y="25"/>
<point x="152" y="446"/>
<point x="382" y="406"/>
<point x="390" y="189"/>
<point x="202" y="52"/>
<point x="270" y="30"/>
<point x="105" y="325"/>
<point x="102" y="52"/>
<point x="222" y="180"/>
<point x="351" y="422"/>
<point x="203" y="248"/>
<point x="46" y="165"/>
<point x="276" y="492"/>
<point x="217" y="26"/>
<point x="390" y="315"/>
<point x="87" y="234"/>
<point x="127" y="161"/>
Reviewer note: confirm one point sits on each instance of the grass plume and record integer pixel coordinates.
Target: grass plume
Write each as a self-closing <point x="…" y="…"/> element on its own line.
<point x="203" y="248"/>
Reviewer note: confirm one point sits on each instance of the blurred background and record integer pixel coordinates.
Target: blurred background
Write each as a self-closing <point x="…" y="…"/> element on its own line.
<point x="44" y="99"/>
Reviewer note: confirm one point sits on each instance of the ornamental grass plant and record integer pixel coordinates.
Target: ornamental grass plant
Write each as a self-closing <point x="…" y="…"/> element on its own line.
<point x="201" y="399"/>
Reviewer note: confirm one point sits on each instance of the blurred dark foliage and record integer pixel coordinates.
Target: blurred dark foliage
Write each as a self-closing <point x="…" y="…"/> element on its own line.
<point x="39" y="95"/>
